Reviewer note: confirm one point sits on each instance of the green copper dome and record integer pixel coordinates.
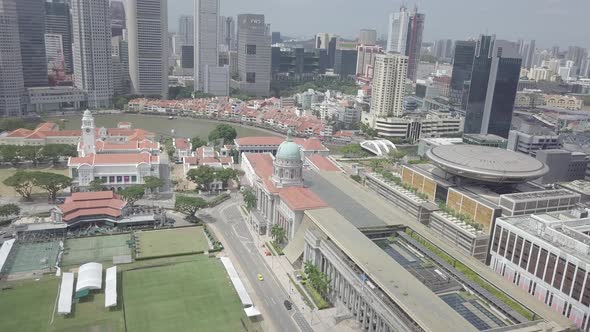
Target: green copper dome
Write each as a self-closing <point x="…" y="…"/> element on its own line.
<point x="289" y="150"/>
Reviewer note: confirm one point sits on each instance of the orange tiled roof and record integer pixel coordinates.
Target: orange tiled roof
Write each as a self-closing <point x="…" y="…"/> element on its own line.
<point x="182" y="143"/>
<point x="323" y="163"/>
<point x="298" y="198"/>
<point x="115" y="158"/>
<point x="91" y="204"/>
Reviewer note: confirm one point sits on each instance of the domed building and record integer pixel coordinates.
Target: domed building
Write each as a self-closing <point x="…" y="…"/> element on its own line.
<point x="288" y="164"/>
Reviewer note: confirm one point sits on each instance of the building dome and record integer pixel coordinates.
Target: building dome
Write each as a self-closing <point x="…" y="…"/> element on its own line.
<point x="289" y="150"/>
<point x="87" y="113"/>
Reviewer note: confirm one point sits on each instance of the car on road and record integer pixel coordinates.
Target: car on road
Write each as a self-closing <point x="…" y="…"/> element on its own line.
<point x="288" y="304"/>
<point x="260" y="277"/>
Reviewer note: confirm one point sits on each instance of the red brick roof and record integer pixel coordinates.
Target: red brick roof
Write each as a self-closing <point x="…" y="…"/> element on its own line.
<point x="262" y="163"/>
<point x="182" y="143"/>
<point x="91" y="204"/>
<point x="298" y="198"/>
<point x="322" y="163"/>
<point x="259" y="140"/>
<point x="311" y="144"/>
<point x="114" y="158"/>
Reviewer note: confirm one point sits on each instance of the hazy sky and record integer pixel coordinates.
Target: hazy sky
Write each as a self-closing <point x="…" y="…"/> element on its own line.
<point x="550" y="22"/>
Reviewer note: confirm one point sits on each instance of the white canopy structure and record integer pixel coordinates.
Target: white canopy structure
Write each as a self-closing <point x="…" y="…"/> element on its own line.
<point x="4" y="251"/>
<point x="110" y="298"/>
<point x="89" y="277"/>
<point x="249" y="308"/>
<point x="379" y="147"/>
<point x="64" y="304"/>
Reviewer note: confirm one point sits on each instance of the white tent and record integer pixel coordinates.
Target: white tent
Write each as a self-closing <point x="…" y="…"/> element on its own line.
<point x="89" y="277"/>
<point x="4" y="251"/>
<point x="64" y="305"/>
<point x="110" y="298"/>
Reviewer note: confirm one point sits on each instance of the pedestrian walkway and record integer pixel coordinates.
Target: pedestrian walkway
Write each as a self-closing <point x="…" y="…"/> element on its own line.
<point x="317" y="320"/>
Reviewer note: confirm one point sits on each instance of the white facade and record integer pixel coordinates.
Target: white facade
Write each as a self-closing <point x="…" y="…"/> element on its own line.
<point x="147" y="30"/>
<point x="388" y="85"/>
<point x="398" y="31"/>
<point x="91" y="29"/>
<point x="206" y="37"/>
<point x="216" y="80"/>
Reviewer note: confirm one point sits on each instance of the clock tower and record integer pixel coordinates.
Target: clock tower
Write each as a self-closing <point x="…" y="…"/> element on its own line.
<point x="88" y="134"/>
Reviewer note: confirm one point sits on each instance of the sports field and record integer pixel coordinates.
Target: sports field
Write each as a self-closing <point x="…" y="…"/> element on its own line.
<point x="26" y="257"/>
<point x="28" y="306"/>
<point x="191" y="296"/>
<point x="95" y="249"/>
<point x="170" y="242"/>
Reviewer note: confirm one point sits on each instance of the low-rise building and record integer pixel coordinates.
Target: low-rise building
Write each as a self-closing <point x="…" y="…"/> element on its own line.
<point x="182" y="147"/>
<point x="56" y="98"/>
<point x="546" y="255"/>
<point x="413" y="128"/>
<point x="271" y="144"/>
<point x="538" y="202"/>
<point x="531" y="143"/>
<point x="564" y="166"/>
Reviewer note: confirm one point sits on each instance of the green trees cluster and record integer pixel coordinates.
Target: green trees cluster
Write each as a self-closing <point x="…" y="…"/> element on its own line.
<point x="23" y="183"/>
<point x="189" y="205"/>
<point x="197" y="142"/>
<point x="249" y="199"/>
<point x="204" y="176"/>
<point x="278" y="233"/>
<point x="353" y="150"/>
<point x="317" y="279"/>
<point x="223" y="131"/>
<point x="36" y="154"/>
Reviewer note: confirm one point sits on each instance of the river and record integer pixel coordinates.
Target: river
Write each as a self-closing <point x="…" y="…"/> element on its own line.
<point x="183" y="127"/>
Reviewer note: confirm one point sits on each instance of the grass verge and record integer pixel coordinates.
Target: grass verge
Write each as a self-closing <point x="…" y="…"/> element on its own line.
<point x="301" y="291"/>
<point x="277" y="248"/>
<point x="318" y="300"/>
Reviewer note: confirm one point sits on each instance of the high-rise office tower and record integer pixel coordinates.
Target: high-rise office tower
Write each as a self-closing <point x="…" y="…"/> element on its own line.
<point x="345" y="62"/>
<point x="120" y="58"/>
<point x="276" y="37"/>
<point x="494" y="81"/>
<point x="91" y="22"/>
<point x="367" y="37"/>
<point x="577" y="55"/>
<point x="11" y="71"/>
<point x="555" y="51"/>
<point x="462" y="67"/>
<point x="186" y="30"/>
<point x="206" y="37"/>
<point x="59" y="21"/>
<point x="398" y="31"/>
<point x="229" y="33"/>
<point x="443" y="49"/>
<point x="526" y="49"/>
<point x="388" y="85"/>
<point x="405" y="36"/>
<point x="147" y="31"/>
<point x="117" y="18"/>
<point x="31" y="27"/>
<point x="254" y="55"/>
<point x="54" y="51"/>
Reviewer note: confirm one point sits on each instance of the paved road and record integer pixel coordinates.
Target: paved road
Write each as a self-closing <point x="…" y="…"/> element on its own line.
<point x="229" y="222"/>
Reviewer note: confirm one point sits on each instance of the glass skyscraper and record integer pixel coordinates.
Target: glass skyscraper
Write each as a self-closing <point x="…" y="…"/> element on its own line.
<point x="494" y="81"/>
<point x="462" y="67"/>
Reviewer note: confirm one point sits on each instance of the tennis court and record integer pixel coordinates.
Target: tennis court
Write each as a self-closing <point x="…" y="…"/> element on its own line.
<point x="28" y="257"/>
<point x="171" y="242"/>
<point x="95" y="249"/>
<point x="192" y="296"/>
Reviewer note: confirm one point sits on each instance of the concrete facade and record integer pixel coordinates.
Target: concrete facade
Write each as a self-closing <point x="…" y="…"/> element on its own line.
<point x="254" y="55"/>
<point x="12" y="87"/>
<point x="206" y="34"/>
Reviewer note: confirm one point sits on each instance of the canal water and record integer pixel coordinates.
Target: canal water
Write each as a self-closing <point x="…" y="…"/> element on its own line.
<point x="183" y="127"/>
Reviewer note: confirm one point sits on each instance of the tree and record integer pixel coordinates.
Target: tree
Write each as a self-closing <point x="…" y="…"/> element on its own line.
<point x="121" y="102"/>
<point x="97" y="185"/>
<point x="353" y="149"/>
<point x="226" y="174"/>
<point x="202" y="176"/>
<point x="54" y="152"/>
<point x="9" y="153"/>
<point x="51" y="182"/>
<point x="278" y="233"/>
<point x="223" y="131"/>
<point x="189" y="205"/>
<point x="132" y="194"/>
<point x="31" y="153"/>
<point x="22" y="182"/>
<point x="197" y="142"/>
<point x="9" y="210"/>
<point x="249" y="198"/>
<point x="152" y="183"/>
<point x="396" y="155"/>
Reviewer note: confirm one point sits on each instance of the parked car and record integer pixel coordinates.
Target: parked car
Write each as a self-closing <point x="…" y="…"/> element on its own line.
<point x="288" y="304"/>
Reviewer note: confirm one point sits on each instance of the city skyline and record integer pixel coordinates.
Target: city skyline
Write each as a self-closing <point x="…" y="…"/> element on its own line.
<point x="526" y="20"/>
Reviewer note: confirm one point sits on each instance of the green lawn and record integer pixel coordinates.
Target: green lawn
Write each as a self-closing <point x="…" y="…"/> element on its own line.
<point x="29" y="305"/>
<point x="191" y="296"/>
<point x="6" y="172"/>
<point x="170" y="242"/>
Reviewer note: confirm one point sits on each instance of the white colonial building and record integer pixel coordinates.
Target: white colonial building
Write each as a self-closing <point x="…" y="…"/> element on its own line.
<point x="117" y="170"/>
<point x="278" y="185"/>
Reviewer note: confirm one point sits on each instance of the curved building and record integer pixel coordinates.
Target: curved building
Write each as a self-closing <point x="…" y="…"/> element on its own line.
<point x="487" y="164"/>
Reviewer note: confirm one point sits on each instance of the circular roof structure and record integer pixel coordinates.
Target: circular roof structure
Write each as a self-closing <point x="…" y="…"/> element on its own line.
<point x="487" y="164"/>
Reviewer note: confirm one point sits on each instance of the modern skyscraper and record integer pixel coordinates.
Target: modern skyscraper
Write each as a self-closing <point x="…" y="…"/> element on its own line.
<point x="31" y="26"/>
<point x="443" y="49"/>
<point x="206" y="34"/>
<point x="91" y="21"/>
<point x="577" y="55"/>
<point x="405" y="37"/>
<point x="229" y="33"/>
<point x="186" y="30"/>
<point x="12" y="86"/>
<point x="117" y="18"/>
<point x="254" y="55"/>
<point x="120" y="58"/>
<point x="388" y="86"/>
<point x="494" y="81"/>
<point x="367" y="37"/>
<point x="59" y="21"/>
<point x="462" y="67"/>
<point x="147" y="30"/>
<point x="345" y="63"/>
<point x="526" y="49"/>
<point x="54" y="51"/>
<point x="276" y="37"/>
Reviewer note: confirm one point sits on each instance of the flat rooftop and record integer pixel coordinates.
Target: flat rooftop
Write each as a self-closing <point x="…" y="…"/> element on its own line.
<point x="535" y="195"/>
<point x="488" y="164"/>
<point x="419" y="302"/>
